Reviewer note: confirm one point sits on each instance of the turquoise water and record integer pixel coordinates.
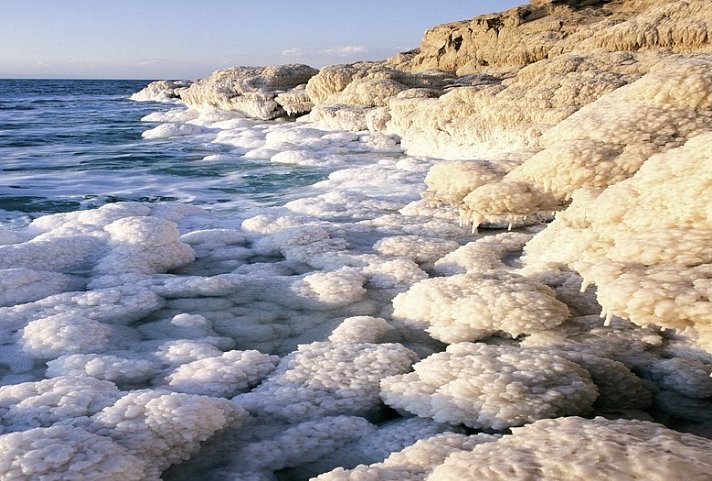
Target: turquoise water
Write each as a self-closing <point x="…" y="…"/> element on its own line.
<point x="75" y="144"/>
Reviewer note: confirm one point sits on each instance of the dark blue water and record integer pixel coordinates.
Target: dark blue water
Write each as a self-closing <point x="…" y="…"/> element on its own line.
<point x="75" y="144"/>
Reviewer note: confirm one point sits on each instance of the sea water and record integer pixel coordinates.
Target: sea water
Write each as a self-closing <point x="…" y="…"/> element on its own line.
<point x="75" y="144"/>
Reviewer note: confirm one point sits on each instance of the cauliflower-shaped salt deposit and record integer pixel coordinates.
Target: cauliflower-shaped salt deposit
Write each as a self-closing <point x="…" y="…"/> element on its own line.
<point x="328" y="290"/>
<point x="484" y="254"/>
<point x="104" y="366"/>
<point x="20" y="285"/>
<point x="469" y="307"/>
<point x="224" y="376"/>
<point x="53" y="336"/>
<point x="65" y="453"/>
<point x="377" y="445"/>
<point x="44" y="403"/>
<point x="576" y="449"/>
<point x="325" y="378"/>
<point x="163" y="428"/>
<point x="450" y="182"/>
<point x="363" y="329"/>
<point x="144" y="244"/>
<point x="419" y="249"/>
<point x="605" y="235"/>
<point x="495" y="387"/>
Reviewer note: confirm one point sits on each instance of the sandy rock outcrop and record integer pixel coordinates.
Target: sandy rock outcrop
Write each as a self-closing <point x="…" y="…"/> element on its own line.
<point x="546" y="28"/>
<point x="252" y="91"/>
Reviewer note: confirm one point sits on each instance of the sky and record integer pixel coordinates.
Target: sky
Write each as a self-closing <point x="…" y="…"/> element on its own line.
<point x="187" y="39"/>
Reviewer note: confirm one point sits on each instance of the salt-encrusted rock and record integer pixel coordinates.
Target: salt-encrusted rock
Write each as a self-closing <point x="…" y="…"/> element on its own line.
<point x="251" y="91"/>
<point x="492" y="387"/>
<point x="576" y="51"/>
<point x="468" y="307"/>
<point x="606" y="141"/>
<point x="324" y="378"/>
<point x="576" y="449"/>
<point x="368" y="83"/>
<point x="295" y="101"/>
<point x="160" y="91"/>
<point x="450" y="182"/>
<point x="690" y="378"/>
<point x="339" y="117"/>
<point x="483" y="255"/>
<point x="491" y="120"/>
<point x="628" y="240"/>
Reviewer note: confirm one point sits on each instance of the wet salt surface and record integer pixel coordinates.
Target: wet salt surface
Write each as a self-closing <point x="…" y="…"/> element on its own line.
<point x="257" y="237"/>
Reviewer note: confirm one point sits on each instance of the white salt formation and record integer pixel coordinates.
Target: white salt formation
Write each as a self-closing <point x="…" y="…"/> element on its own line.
<point x="647" y="255"/>
<point x="160" y="91"/>
<point x="468" y="307"/>
<point x="492" y="387"/>
<point x="576" y="449"/>
<point x="326" y="378"/>
<point x="603" y="143"/>
<point x="413" y="463"/>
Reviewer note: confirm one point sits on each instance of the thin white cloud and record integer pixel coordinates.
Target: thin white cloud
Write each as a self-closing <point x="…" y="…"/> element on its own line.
<point x="347" y="50"/>
<point x="292" y="51"/>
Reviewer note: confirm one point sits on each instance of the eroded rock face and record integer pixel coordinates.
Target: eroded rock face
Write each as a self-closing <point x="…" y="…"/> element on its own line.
<point x="513" y="38"/>
<point x="252" y="91"/>
<point x="369" y="83"/>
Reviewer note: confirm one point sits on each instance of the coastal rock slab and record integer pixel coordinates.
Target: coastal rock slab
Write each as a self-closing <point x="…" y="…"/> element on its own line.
<point x="251" y="91"/>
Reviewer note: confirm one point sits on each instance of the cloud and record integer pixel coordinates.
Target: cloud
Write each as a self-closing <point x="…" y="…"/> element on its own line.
<point x="292" y="51"/>
<point x="347" y="50"/>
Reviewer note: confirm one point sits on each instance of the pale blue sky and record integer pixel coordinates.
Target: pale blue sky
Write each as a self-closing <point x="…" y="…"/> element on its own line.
<point x="151" y="39"/>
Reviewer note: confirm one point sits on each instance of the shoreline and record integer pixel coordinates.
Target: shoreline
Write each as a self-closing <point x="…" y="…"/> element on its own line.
<point x="363" y="333"/>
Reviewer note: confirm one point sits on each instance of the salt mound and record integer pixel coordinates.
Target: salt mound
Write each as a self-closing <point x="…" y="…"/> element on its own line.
<point x="576" y="449"/>
<point x="626" y="240"/>
<point x="491" y="387"/>
<point x="603" y="143"/>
